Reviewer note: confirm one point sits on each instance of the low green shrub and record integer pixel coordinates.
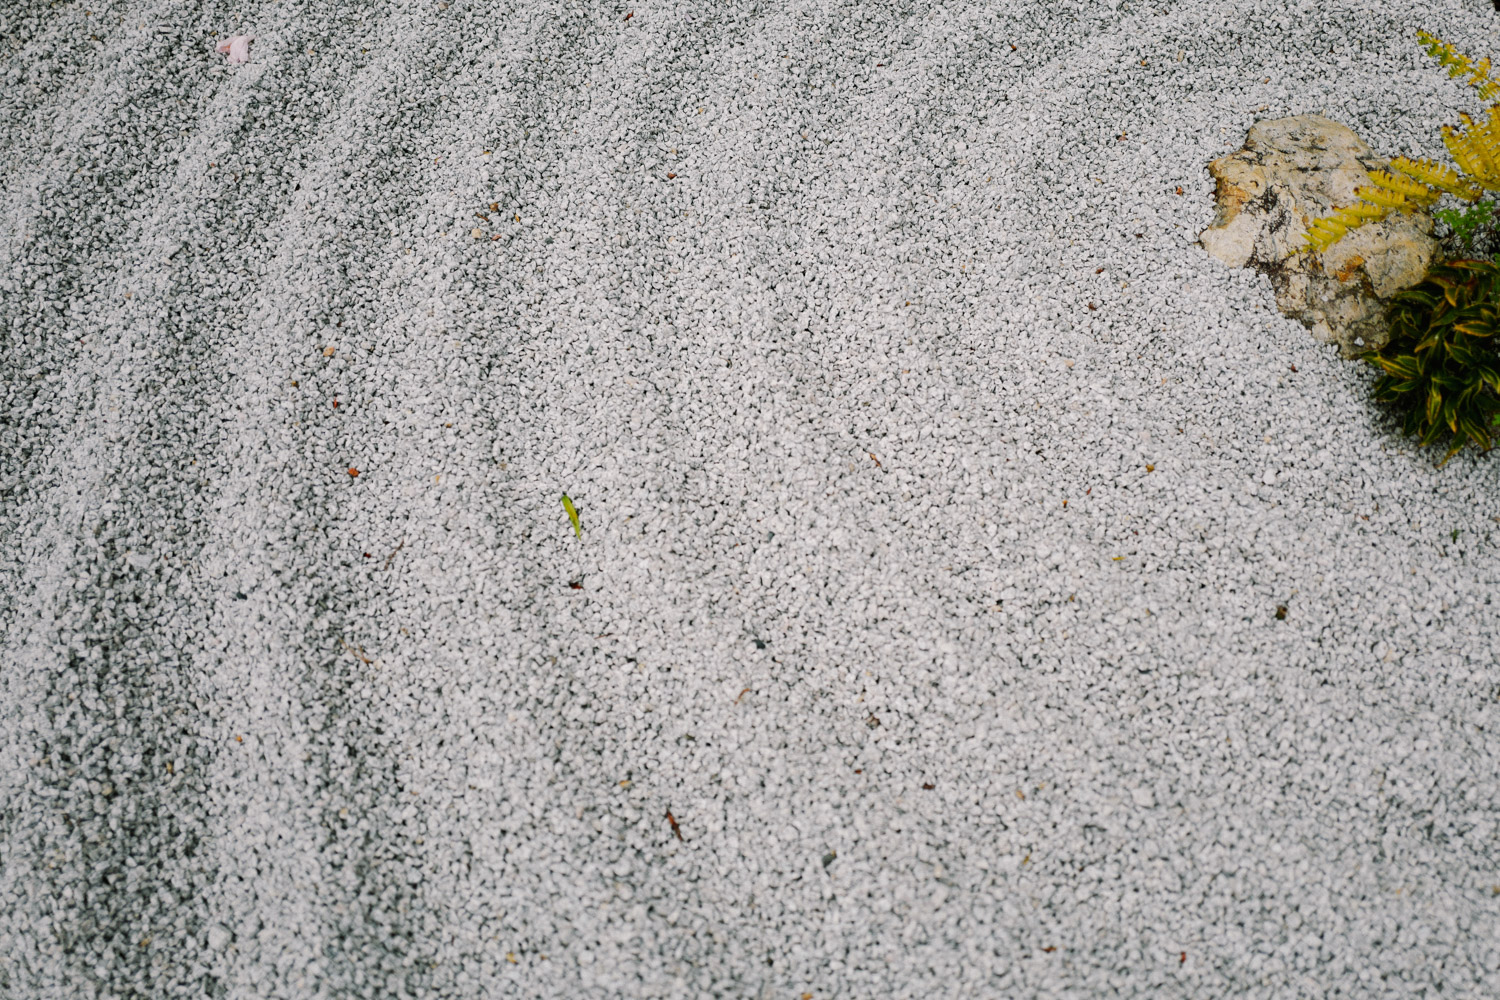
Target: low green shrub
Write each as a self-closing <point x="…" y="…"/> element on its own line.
<point x="1441" y="366"/>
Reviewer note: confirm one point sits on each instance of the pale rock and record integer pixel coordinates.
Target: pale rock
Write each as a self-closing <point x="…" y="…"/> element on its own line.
<point x="1290" y="172"/>
<point x="218" y="937"/>
<point x="236" y="48"/>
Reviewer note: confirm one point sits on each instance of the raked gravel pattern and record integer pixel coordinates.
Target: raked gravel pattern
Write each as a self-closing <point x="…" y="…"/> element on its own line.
<point x="938" y="494"/>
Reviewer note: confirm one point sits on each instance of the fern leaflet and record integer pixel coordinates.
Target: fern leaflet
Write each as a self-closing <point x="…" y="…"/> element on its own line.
<point x="1436" y="175"/>
<point x="1417" y="184"/>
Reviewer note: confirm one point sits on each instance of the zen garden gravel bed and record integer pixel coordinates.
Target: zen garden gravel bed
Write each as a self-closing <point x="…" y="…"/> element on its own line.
<point x="978" y="589"/>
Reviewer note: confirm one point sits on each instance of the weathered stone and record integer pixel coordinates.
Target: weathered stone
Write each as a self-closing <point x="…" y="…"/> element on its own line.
<point x="1290" y="172"/>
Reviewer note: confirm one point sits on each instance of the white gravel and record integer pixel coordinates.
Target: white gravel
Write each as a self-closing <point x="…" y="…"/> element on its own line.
<point x="937" y="609"/>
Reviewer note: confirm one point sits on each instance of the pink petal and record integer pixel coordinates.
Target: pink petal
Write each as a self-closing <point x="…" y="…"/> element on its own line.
<point x="238" y="48"/>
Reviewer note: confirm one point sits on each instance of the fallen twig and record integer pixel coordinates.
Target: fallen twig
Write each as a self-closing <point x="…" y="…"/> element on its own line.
<point x="358" y="652"/>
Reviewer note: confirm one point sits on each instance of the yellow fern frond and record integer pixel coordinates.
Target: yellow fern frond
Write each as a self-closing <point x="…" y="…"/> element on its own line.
<point x="1446" y="55"/>
<point x="1482" y="82"/>
<point x="1428" y="40"/>
<point x="1328" y="230"/>
<point x="1324" y="233"/>
<point x="1412" y="190"/>
<point x="1477" y="155"/>
<point x="1491" y="127"/>
<point x="1436" y="175"/>
<point x="1487" y="146"/>
<point x="1459" y="150"/>
<point x="1476" y="163"/>
<point x="1488" y="127"/>
<point x="1459" y="64"/>
<point x="1415" y="184"/>
<point x="1383" y="198"/>
<point x="1358" y="214"/>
